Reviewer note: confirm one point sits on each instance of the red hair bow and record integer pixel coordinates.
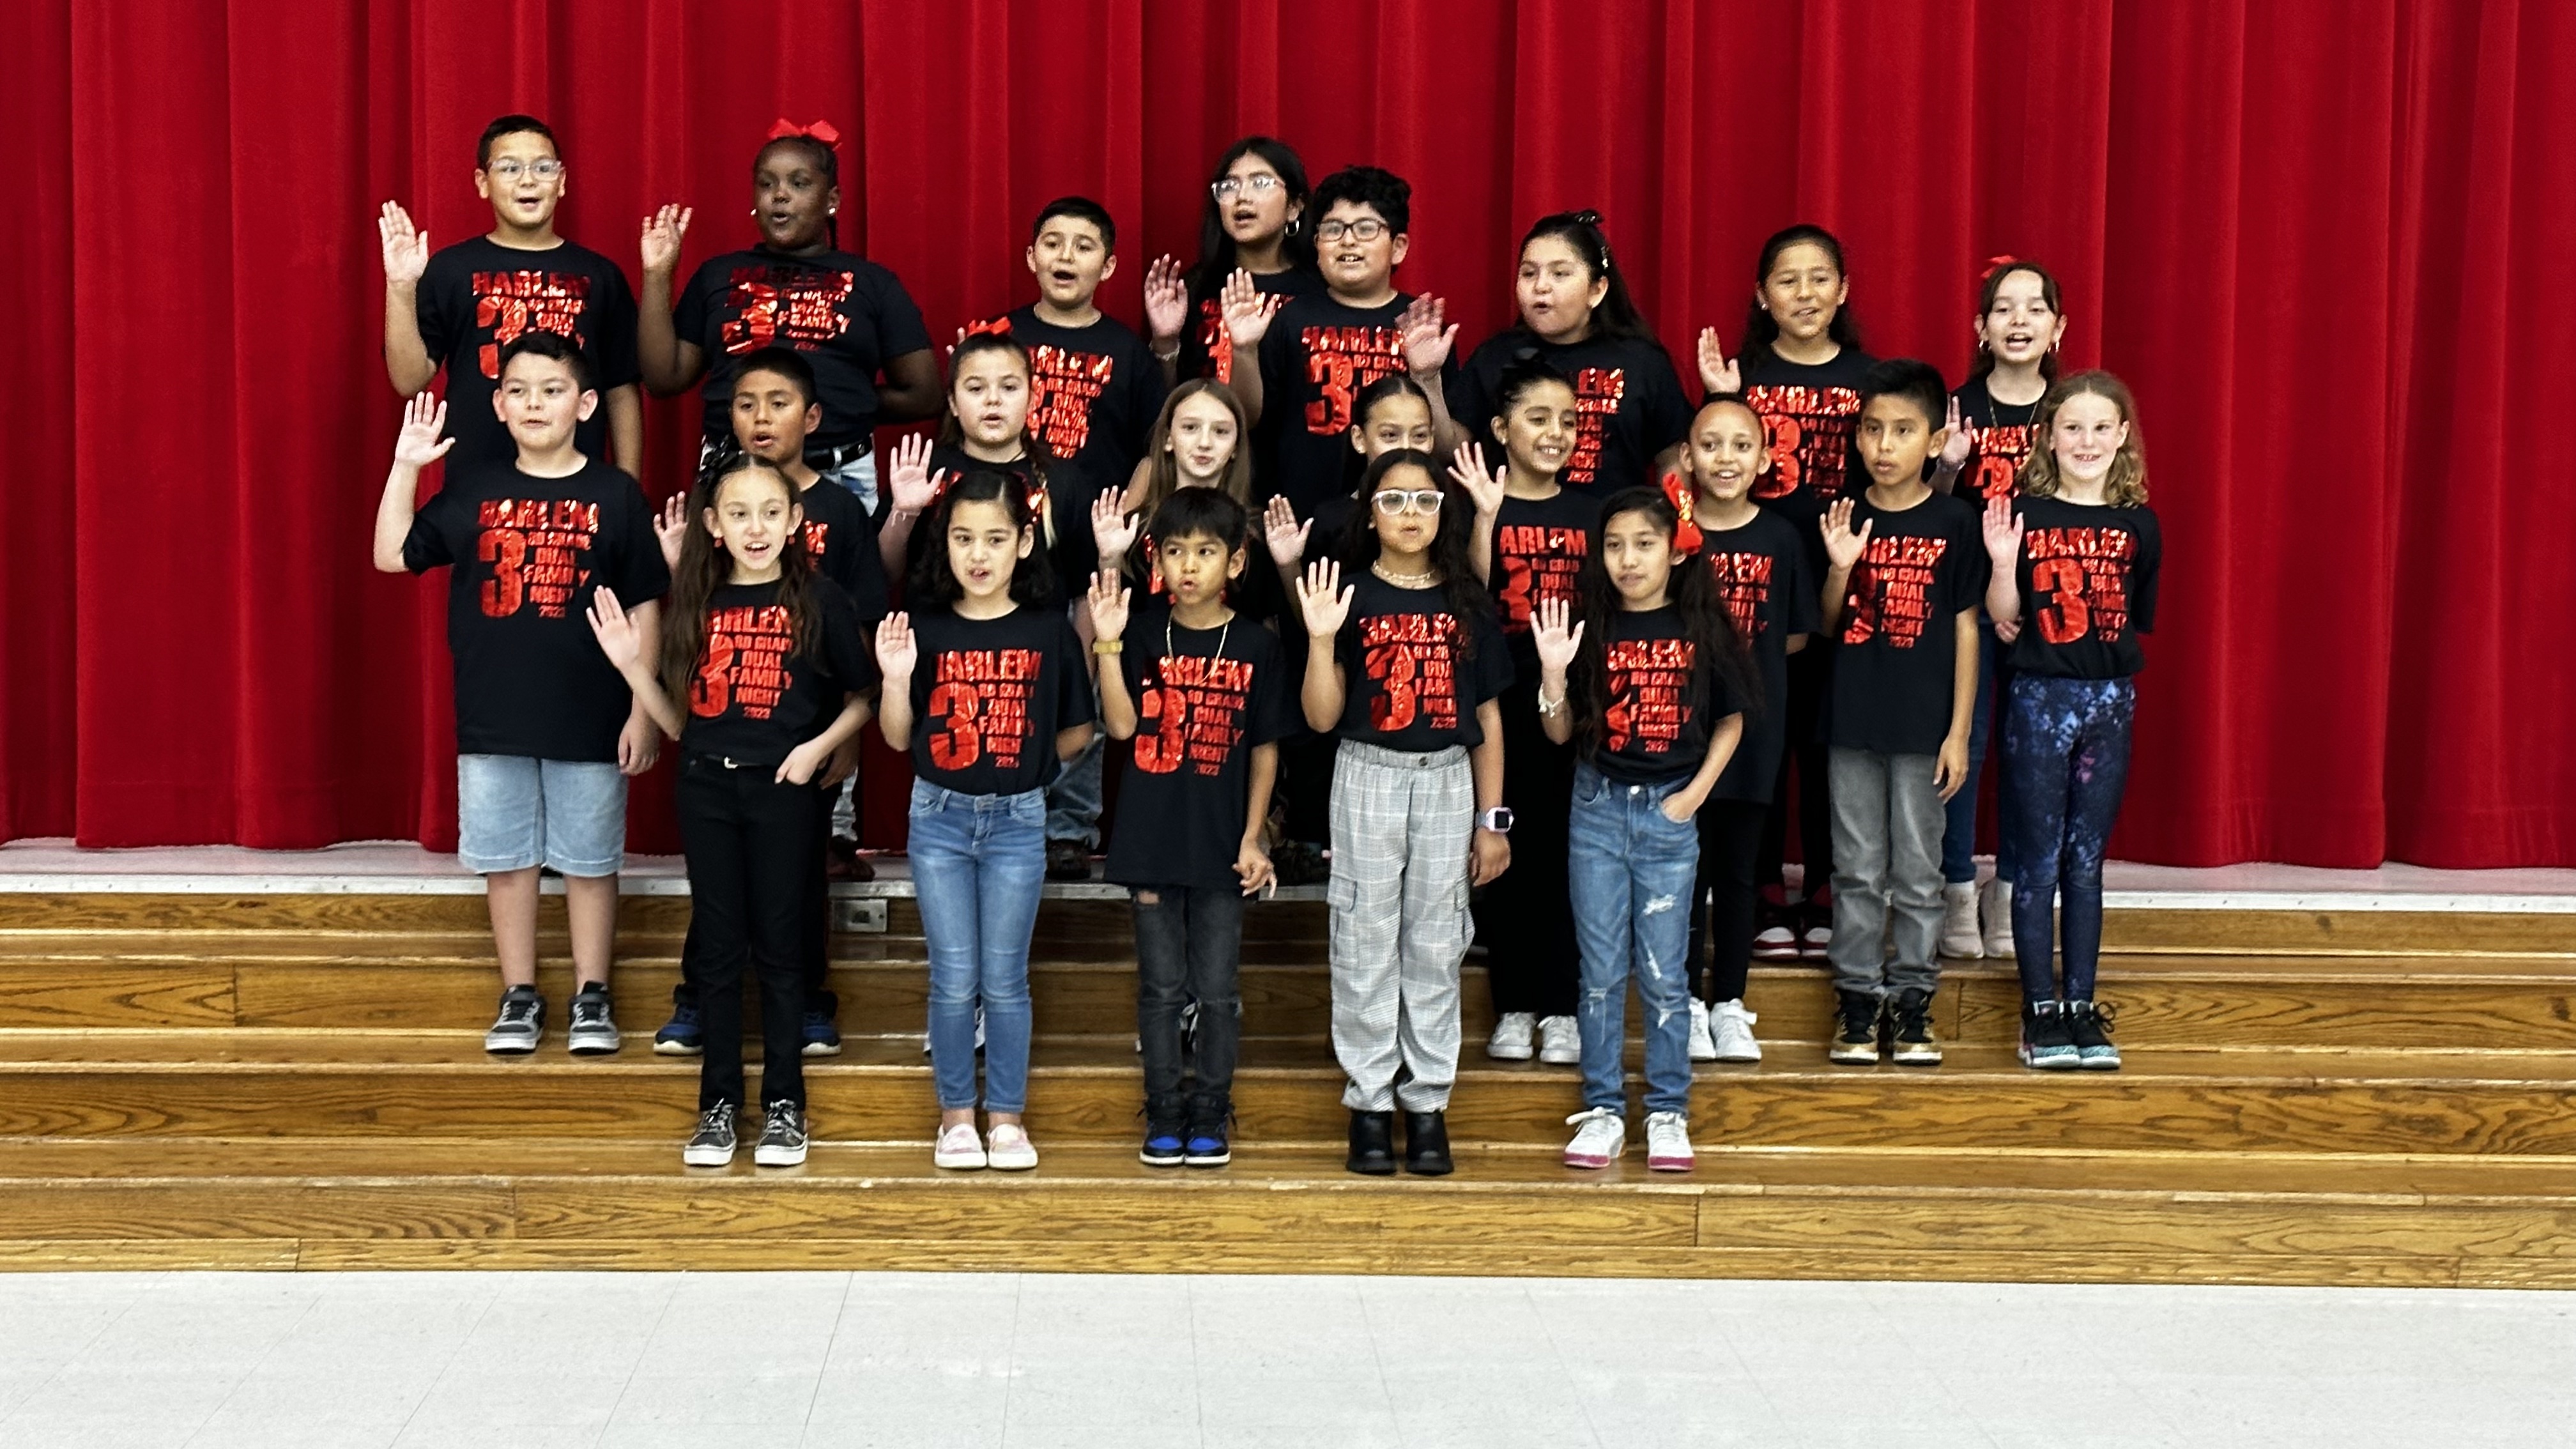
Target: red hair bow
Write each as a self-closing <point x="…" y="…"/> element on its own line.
<point x="1997" y="264"/>
<point x="1686" y="535"/>
<point x="819" y="130"/>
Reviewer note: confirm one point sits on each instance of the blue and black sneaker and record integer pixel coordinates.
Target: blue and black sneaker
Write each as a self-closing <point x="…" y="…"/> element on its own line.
<point x="1164" y="1142"/>
<point x="822" y="1034"/>
<point x="1204" y="1143"/>
<point x="681" y="1036"/>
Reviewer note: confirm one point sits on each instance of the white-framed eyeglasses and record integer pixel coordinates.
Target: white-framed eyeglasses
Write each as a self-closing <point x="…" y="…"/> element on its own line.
<point x="512" y="170"/>
<point x="1393" y="501"/>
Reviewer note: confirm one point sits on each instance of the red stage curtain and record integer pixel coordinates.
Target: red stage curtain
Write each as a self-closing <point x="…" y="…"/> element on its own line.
<point x="2322" y="238"/>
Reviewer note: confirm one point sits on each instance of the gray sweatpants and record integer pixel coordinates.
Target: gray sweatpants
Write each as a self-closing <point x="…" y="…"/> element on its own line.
<point x="1402" y="824"/>
<point x="1888" y="821"/>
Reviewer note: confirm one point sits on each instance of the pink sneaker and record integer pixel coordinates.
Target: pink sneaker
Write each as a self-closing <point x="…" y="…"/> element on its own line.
<point x="958" y="1147"/>
<point x="1007" y="1149"/>
<point x="1599" y="1138"/>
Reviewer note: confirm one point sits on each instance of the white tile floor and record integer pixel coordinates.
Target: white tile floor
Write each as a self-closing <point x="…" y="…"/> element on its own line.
<point x="704" y="1361"/>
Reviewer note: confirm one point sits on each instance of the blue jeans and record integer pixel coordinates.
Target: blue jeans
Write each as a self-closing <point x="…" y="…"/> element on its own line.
<point x="859" y="475"/>
<point x="1631" y="878"/>
<point x="1073" y="800"/>
<point x="2066" y="744"/>
<point x="1959" y="830"/>
<point x="978" y="862"/>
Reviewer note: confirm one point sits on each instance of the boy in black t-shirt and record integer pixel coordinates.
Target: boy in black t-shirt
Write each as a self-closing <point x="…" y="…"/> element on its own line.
<point x="1905" y="569"/>
<point x="459" y="308"/>
<point x="1323" y="349"/>
<point x="1205" y="696"/>
<point x="545" y="727"/>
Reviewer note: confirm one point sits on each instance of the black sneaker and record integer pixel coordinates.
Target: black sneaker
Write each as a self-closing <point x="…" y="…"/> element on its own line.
<point x="593" y="1032"/>
<point x="712" y="1144"/>
<point x="1915" y="1045"/>
<point x="681" y="1036"/>
<point x="1068" y="860"/>
<point x="2090" y="1025"/>
<point x="782" y="1137"/>
<point x="1855" y="1040"/>
<point x="1165" y="1144"/>
<point x="1300" y="863"/>
<point x="521" y="1025"/>
<point x="1204" y="1144"/>
<point x="2045" y="1041"/>
<point x="822" y="1035"/>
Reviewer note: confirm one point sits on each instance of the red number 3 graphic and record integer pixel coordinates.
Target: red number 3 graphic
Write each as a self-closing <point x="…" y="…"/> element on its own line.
<point x="505" y="549"/>
<point x="1160" y="753"/>
<point x="1392" y="665"/>
<point x="2066" y="618"/>
<point x="961" y="744"/>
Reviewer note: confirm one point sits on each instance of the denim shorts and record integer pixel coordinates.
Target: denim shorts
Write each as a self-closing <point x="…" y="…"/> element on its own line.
<point x="514" y="812"/>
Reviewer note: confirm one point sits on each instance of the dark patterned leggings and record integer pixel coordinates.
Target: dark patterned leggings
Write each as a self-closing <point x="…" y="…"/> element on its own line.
<point x="2066" y="746"/>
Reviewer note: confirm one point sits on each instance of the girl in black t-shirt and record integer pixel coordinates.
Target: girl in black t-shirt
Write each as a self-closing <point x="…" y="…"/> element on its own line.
<point x="774" y="669"/>
<point x="1577" y="316"/>
<point x="985" y="686"/>
<point x="986" y="426"/>
<point x="1531" y="536"/>
<point x="1650" y="686"/>
<point x="1197" y="441"/>
<point x="1253" y="226"/>
<point x="795" y="288"/>
<point x="2076" y="560"/>
<point x="1405" y="665"/>
<point x="1800" y="370"/>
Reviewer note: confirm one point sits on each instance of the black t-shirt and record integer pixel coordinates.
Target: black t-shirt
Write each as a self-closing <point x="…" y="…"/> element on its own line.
<point x="1892" y="678"/>
<point x="1093" y="394"/>
<point x="1072" y="555"/>
<point x="1539" y="548"/>
<point x="1204" y="698"/>
<point x="753" y="698"/>
<point x="989" y="695"/>
<point x="841" y="539"/>
<point x="1257" y="591"/>
<point x="478" y="296"/>
<point x="2005" y="436"/>
<point x="1405" y="688"/>
<point x="1206" y="349"/>
<point x="1808" y="414"/>
<point x="1763" y="578"/>
<point x="849" y="316"/>
<point x="527" y="553"/>
<point x="1664" y="699"/>
<point x="2088" y="588"/>
<point x="1627" y="396"/>
<point x="1316" y="359"/>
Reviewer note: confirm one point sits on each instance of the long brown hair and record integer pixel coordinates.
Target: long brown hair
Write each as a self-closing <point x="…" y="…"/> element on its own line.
<point x="2126" y="485"/>
<point x="1163" y="466"/>
<point x="1694" y="597"/>
<point x="705" y="567"/>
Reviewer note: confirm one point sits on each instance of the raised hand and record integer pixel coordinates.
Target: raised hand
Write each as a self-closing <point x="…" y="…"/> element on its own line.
<point x="1322" y="599"/>
<point x="1167" y="300"/>
<point x="1427" y="336"/>
<point x="1285" y="535"/>
<point x="616" y="633"/>
<point x="1109" y="596"/>
<point x="1113" y="528"/>
<point x="406" y="249"/>
<point x="897" y="651"/>
<point x="418" y="444"/>
<point x="663" y="231"/>
<point x="1716" y="374"/>
<point x="1557" y="633"/>
<point x="1842" y="546"/>
<point x="1961" y="442"/>
<point x="1486" y="489"/>
<point x="671" y="527"/>
<point x="908" y="480"/>
<point x="2003" y="529"/>
<point x="1247" y="310"/>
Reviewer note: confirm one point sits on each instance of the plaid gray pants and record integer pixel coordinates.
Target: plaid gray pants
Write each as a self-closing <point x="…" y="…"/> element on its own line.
<point x="1402" y="824"/>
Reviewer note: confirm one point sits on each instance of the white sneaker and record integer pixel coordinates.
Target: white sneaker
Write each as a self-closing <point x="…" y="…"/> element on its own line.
<point x="1995" y="905"/>
<point x="1600" y="1136"/>
<point x="1730" y="1033"/>
<point x="1511" y="1039"/>
<point x="1701" y="1049"/>
<point x="1959" y="938"/>
<point x="1007" y="1149"/>
<point x="1668" y="1145"/>
<point x="1560" y="1041"/>
<point x="959" y="1147"/>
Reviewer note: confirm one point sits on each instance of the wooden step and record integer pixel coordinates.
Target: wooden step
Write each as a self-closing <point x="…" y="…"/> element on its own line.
<point x="1745" y="1212"/>
<point x="259" y="1083"/>
<point x="141" y="979"/>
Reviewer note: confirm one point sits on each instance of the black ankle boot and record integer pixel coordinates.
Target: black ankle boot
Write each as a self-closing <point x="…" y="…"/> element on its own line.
<point x="1373" y="1143"/>
<point x="1426" y="1144"/>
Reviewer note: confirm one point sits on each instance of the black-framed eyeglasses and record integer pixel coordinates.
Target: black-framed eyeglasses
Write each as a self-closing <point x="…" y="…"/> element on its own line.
<point x="1367" y="228"/>
<point x="1259" y="185"/>
<point x="512" y="170"/>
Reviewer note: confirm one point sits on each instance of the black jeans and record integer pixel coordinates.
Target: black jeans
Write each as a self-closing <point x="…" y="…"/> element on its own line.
<point x="748" y="841"/>
<point x="1525" y="916"/>
<point x="1730" y="843"/>
<point x="814" y="940"/>
<point x="1189" y="947"/>
<point x="1810" y="673"/>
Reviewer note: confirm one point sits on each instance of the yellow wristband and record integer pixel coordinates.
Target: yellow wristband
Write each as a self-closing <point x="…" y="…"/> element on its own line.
<point x="1107" y="646"/>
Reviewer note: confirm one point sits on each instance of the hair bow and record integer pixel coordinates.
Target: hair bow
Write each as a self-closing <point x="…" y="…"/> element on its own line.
<point x="1686" y="535"/>
<point x="818" y="130"/>
<point x="1997" y="264"/>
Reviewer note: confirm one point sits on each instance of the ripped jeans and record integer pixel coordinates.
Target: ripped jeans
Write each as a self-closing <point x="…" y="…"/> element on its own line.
<point x="1632" y="872"/>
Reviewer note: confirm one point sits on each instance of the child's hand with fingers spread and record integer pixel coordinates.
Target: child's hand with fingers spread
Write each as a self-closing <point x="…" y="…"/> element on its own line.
<point x="418" y="444"/>
<point x="1322" y="599"/>
<point x="1247" y="311"/>
<point x="897" y="651"/>
<point x="1167" y="300"/>
<point x="1557" y="634"/>
<point x="1716" y="374"/>
<point x="406" y="249"/>
<point x="1427" y="336"/>
<point x="663" y="232"/>
<point x="1285" y="535"/>
<point x="671" y="528"/>
<point x="2003" y="529"/>
<point x="1483" y="488"/>
<point x="1113" y="528"/>
<point x="908" y="480"/>
<point x="1843" y="547"/>
<point x="1109" y="599"/>
<point x="615" y="631"/>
